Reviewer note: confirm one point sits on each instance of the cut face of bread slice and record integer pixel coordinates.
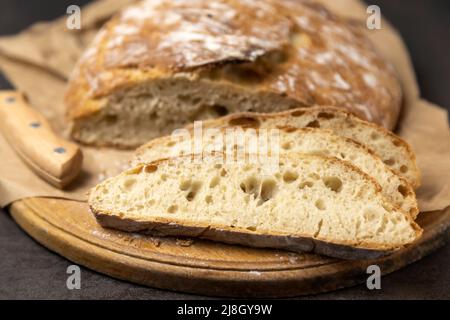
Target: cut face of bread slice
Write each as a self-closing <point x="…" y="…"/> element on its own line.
<point x="394" y="151"/>
<point x="307" y="140"/>
<point x="305" y="203"/>
<point x="156" y="108"/>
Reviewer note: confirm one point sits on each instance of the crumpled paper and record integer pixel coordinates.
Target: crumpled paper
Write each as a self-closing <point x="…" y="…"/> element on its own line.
<point x="39" y="60"/>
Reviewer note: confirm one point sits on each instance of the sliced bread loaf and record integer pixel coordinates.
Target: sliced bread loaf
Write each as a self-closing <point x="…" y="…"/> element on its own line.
<point x="159" y="65"/>
<point x="393" y="150"/>
<point x="307" y="203"/>
<point x="307" y="140"/>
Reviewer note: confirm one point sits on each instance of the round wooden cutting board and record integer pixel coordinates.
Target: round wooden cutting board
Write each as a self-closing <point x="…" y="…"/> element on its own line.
<point x="203" y="267"/>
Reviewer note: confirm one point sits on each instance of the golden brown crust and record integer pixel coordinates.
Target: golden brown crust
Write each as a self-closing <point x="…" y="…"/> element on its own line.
<point x="164" y="227"/>
<point x="238" y="236"/>
<point x="295" y="49"/>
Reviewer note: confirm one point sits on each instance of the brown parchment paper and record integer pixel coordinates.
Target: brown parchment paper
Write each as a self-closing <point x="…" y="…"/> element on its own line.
<point x="39" y="60"/>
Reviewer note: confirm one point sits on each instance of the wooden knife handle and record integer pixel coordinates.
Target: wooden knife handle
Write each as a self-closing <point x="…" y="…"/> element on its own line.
<point x="54" y="159"/>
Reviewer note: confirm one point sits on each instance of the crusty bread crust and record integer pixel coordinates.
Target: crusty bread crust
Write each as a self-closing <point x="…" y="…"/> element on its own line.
<point x="293" y="49"/>
<point x="262" y="238"/>
<point x="162" y="227"/>
<point x="239" y="237"/>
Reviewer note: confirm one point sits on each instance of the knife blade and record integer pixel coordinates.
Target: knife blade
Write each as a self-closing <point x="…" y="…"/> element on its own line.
<point x="52" y="158"/>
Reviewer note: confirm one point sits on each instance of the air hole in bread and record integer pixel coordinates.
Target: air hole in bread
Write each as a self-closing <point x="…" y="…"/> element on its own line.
<point x="251" y="228"/>
<point x="289" y="129"/>
<point x="209" y="199"/>
<point x="320" y="204"/>
<point x="403" y="169"/>
<point x="304" y="184"/>
<point x="313" y="124"/>
<point x="343" y="155"/>
<point x="214" y="182"/>
<point x="268" y="188"/>
<point x="170" y="143"/>
<point x="219" y="110"/>
<point x="290" y="176"/>
<point x="397" y="143"/>
<point x="297" y="113"/>
<point x="136" y="170"/>
<point x="217" y="166"/>
<point x="164" y="177"/>
<point x="287" y="145"/>
<point x="185" y="185"/>
<point x="246" y="122"/>
<point x="223" y="172"/>
<point x="244" y="73"/>
<point x="150" y="168"/>
<point x="191" y="195"/>
<point x="374" y="136"/>
<point x="184" y="98"/>
<point x="129" y="183"/>
<point x="390" y="161"/>
<point x="195" y="186"/>
<point x="403" y="190"/>
<point x="111" y="119"/>
<point x="172" y="209"/>
<point x="325" y="115"/>
<point x="333" y="183"/>
<point x="370" y="215"/>
<point x="250" y="185"/>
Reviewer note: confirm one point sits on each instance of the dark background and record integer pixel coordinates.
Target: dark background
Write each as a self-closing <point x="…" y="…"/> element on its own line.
<point x="29" y="271"/>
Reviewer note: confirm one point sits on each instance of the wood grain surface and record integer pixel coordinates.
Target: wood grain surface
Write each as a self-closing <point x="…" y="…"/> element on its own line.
<point x="204" y="267"/>
<point x="54" y="159"/>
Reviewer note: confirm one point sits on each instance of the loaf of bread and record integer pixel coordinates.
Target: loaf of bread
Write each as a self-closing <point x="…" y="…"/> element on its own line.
<point x="394" y="151"/>
<point x="306" y="141"/>
<point x="159" y="65"/>
<point x="305" y="203"/>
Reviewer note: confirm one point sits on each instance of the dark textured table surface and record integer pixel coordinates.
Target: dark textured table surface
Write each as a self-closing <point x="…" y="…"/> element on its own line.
<point x="29" y="271"/>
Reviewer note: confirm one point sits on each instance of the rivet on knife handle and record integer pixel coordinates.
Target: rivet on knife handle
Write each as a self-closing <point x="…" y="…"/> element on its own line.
<point x="54" y="159"/>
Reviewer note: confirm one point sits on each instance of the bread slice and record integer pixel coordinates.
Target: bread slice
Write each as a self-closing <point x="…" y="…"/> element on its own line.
<point x="307" y="140"/>
<point x="394" y="151"/>
<point x="305" y="203"/>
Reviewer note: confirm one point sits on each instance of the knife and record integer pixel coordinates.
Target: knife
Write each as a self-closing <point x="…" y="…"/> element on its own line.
<point x="52" y="158"/>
